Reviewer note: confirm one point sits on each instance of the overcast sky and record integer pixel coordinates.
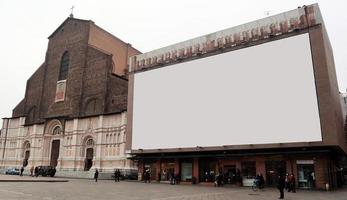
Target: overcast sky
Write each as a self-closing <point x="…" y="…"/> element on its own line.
<point x="147" y="25"/>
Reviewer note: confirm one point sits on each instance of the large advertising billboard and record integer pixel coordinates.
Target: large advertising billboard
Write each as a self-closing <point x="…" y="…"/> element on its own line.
<point x="257" y="95"/>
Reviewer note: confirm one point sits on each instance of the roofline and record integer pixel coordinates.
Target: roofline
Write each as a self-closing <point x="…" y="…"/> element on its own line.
<point x="115" y="37"/>
<point x="62" y="24"/>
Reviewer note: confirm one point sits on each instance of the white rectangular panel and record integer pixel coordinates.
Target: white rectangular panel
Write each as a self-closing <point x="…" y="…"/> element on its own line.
<point x="256" y="95"/>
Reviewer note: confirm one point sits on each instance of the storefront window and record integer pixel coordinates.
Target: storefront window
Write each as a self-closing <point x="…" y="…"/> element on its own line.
<point x="248" y="169"/>
<point x="306" y="175"/>
<point x="207" y="170"/>
<point x="151" y="168"/>
<point x="186" y="171"/>
<point x="167" y="170"/>
<point x="274" y="168"/>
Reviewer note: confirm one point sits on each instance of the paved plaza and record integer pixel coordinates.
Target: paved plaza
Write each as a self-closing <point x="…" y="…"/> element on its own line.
<point x="83" y="189"/>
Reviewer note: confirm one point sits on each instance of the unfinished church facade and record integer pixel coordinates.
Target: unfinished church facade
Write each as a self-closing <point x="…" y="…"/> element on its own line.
<point x="73" y="115"/>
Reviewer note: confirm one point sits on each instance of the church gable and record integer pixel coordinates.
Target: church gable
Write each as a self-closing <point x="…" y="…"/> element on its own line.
<point x="68" y="20"/>
<point x="77" y="78"/>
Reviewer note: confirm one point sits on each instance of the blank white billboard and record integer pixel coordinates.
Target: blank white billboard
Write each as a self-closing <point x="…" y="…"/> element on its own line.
<point x="256" y="95"/>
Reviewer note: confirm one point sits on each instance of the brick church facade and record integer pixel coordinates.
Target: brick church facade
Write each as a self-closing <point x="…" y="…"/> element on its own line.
<point x="73" y="114"/>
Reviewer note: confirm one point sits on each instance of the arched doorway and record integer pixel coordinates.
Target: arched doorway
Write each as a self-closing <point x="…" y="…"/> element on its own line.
<point x="55" y="152"/>
<point x="88" y="162"/>
<point x="54" y="133"/>
<point x="26" y="153"/>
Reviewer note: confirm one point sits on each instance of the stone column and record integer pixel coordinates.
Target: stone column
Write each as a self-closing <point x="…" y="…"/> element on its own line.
<point x="158" y="166"/>
<point x="260" y="167"/>
<point x="196" y="169"/>
<point x="76" y="147"/>
<point x="321" y="172"/>
<point x="140" y="170"/>
<point x="98" y="153"/>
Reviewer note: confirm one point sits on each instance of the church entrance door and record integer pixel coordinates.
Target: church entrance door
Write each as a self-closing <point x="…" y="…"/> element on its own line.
<point x="26" y="158"/>
<point x="55" y="152"/>
<point x="88" y="163"/>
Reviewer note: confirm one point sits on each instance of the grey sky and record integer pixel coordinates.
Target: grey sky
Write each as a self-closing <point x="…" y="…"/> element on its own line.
<point x="147" y="25"/>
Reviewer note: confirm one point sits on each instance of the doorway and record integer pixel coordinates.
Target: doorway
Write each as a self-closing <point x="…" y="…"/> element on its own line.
<point x="55" y="152"/>
<point x="26" y="158"/>
<point x="229" y="174"/>
<point x="274" y="168"/>
<point x="306" y="176"/>
<point x="89" y="159"/>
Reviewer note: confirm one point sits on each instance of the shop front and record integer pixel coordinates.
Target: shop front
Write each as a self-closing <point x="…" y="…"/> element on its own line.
<point x="248" y="171"/>
<point x="306" y="174"/>
<point x="274" y="168"/>
<point x="207" y="169"/>
<point x="167" y="169"/>
<point x="186" y="171"/>
<point x="310" y="170"/>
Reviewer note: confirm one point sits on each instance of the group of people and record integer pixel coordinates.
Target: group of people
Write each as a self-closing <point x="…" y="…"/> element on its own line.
<point x="33" y="171"/>
<point x="286" y="182"/>
<point x="259" y="180"/>
<point x="219" y="180"/>
<point x="174" y="178"/>
<point x="116" y="175"/>
<point x="290" y="182"/>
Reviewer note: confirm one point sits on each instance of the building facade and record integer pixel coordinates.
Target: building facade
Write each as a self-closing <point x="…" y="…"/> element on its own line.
<point x="316" y="163"/>
<point x="73" y="115"/>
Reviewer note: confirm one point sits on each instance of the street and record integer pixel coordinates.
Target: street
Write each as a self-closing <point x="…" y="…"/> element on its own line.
<point x="84" y="189"/>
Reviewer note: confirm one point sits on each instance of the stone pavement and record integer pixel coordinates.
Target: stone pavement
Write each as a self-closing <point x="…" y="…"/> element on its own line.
<point x="78" y="189"/>
<point x="17" y="178"/>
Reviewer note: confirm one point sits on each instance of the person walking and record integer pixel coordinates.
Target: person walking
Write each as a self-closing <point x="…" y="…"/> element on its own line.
<point x="292" y="183"/>
<point x="96" y="175"/>
<point x="147" y="176"/>
<point x="262" y="181"/>
<point x="281" y="185"/>
<point x="115" y="175"/>
<point x="287" y="186"/>
<point x="36" y="171"/>
<point x="32" y="171"/>
<point x="21" y="171"/>
<point x="172" y="178"/>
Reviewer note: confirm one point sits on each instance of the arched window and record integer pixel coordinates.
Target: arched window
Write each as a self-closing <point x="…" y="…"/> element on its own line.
<point x="57" y="130"/>
<point x="90" y="142"/>
<point x="64" y="66"/>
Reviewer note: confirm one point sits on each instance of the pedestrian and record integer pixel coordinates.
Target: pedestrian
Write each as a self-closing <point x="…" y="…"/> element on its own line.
<point x="292" y="183"/>
<point x="21" y="171"/>
<point x="117" y="175"/>
<point x="36" y="171"/>
<point x="287" y="187"/>
<point x="32" y="171"/>
<point x="262" y="181"/>
<point x="96" y="175"/>
<point x="281" y="185"/>
<point x="147" y="176"/>
<point x="172" y="178"/>
<point x="177" y="178"/>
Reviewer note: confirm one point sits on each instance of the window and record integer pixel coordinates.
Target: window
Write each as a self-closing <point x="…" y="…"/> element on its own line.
<point x="248" y="169"/>
<point x="57" y="130"/>
<point x="64" y="66"/>
<point x="90" y="142"/>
